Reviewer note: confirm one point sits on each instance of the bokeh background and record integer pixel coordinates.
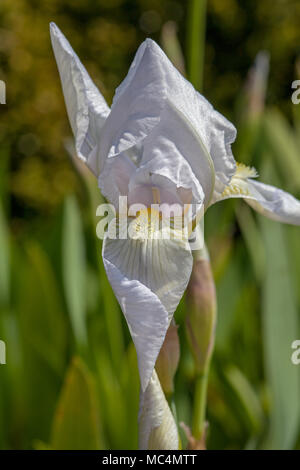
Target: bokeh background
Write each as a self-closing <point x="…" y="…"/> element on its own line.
<point x="71" y="379"/>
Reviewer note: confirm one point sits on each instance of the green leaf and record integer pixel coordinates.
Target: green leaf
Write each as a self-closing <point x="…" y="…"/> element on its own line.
<point x="196" y="41"/>
<point x="130" y="383"/>
<point x="41" y="331"/>
<point x="112" y="317"/>
<point x="229" y="291"/>
<point x="41" y="313"/>
<point x="76" y="422"/>
<point x="280" y="329"/>
<point x="4" y="259"/>
<point x="252" y="238"/>
<point x="247" y="398"/>
<point x="112" y="395"/>
<point x="283" y="146"/>
<point x="74" y="269"/>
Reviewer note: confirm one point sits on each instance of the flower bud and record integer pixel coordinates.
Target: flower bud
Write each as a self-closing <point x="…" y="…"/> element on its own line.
<point x="168" y="358"/>
<point x="200" y="319"/>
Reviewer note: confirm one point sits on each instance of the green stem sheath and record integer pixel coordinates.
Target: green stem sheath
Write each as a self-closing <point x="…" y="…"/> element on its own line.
<point x="196" y="41"/>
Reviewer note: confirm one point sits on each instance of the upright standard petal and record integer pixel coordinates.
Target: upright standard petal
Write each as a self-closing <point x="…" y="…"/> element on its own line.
<point x="152" y="85"/>
<point x="115" y="177"/>
<point x="172" y="151"/>
<point x="266" y="199"/>
<point x="149" y="276"/>
<point x="157" y="427"/>
<point x="86" y="107"/>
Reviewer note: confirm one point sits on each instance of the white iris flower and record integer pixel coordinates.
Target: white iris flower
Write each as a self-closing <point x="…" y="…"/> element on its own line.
<point x="161" y="141"/>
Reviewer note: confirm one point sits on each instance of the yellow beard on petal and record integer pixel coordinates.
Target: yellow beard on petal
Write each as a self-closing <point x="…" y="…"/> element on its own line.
<point x="243" y="171"/>
<point x="146" y="224"/>
<point x="150" y="224"/>
<point x="238" y="185"/>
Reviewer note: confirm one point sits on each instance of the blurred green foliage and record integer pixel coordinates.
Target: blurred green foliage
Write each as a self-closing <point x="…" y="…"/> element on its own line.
<point x="71" y="376"/>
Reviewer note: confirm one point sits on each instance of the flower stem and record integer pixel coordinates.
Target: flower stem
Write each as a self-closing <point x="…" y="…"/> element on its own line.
<point x="199" y="412"/>
<point x="196" y="41"/>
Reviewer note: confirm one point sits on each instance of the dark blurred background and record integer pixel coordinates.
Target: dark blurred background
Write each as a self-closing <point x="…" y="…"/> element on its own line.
<point x="106" y="34"/>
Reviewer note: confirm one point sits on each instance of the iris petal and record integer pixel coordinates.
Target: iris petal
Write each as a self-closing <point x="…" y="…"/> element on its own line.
<point x="268" y="200"/>
<point x="87" y="109"/>
<point x="153" y="85"/>
<point x="149" y="277"/>
<point x="274" y="203"/>
<point x="157" y="428"/>
<point x="115" y="177"/>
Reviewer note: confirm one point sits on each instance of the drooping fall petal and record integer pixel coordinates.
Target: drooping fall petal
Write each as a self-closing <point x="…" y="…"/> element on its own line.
<point x="149" y="277"/>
